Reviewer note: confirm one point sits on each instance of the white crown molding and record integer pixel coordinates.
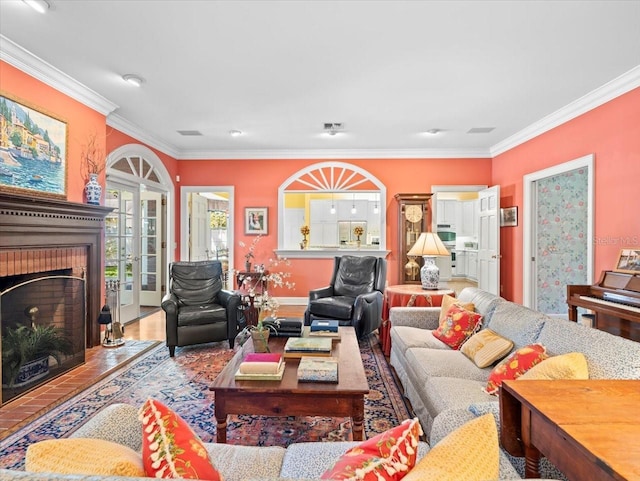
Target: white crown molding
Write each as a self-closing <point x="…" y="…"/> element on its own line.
<point x="135" y="131"/>
<point x="24" y="60"/>
<point x="337" y="154"/>
<point x="616" y="87"/>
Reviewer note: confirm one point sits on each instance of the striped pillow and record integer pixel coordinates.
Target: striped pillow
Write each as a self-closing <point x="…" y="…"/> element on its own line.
<point x="486" y="347"/>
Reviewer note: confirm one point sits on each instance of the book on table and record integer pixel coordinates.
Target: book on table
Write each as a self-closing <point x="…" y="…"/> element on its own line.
<point x="324" y="325"/>
<point x="300" y="346"/>
<point x="261" y="363"/>
<point x="318" y="369"/>
<point x="253" y="376"/>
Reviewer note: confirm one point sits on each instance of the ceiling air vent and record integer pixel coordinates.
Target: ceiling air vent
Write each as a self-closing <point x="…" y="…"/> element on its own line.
<point x="481" y="130"/>
<point x="193" y="133"/>
<point x="332" y="128"/>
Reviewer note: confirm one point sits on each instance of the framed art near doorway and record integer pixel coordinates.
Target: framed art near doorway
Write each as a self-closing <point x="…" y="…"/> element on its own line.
<point x="255" y="220"/>
<point x="509" y="217"/>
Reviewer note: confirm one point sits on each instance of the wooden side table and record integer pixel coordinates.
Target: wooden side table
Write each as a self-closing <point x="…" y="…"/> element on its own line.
<point x="589" y="429"/>
<point x="406" y="295"/>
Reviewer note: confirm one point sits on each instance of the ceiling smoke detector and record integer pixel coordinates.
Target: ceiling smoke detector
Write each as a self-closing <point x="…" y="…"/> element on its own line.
<point x="332" y="128"/>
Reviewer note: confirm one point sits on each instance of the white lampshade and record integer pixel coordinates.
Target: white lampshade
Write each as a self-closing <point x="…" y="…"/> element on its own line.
<point x="428" y="246"/>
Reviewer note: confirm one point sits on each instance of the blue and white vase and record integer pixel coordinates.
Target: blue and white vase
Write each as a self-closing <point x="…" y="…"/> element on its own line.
<point x="93" y="190"/>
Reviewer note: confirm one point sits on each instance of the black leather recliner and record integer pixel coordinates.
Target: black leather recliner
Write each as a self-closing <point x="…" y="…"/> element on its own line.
<point x="354" y="295"/>
<point x="197" y="309"/>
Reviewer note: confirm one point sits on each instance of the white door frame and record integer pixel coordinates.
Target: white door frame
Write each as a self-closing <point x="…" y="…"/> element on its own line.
<point x="529" y="216"/>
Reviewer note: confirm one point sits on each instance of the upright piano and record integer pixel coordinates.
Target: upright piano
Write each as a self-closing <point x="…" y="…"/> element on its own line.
<point x="615" y="301"/>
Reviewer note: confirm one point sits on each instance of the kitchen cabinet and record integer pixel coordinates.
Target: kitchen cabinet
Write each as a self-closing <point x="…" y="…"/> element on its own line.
<point x="472" y="264"/>
<point x="323" y="226"/>
<point x="468" y="225"/>
<point x="461" y="263"/>
<point x="444" y="264"/>
<point x="447" y="212"/>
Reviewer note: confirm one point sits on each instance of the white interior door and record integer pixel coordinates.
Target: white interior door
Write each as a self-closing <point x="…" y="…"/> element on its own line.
<point x="150" y="255"/>
<point x="489" y="240"/>
<point x="200" y="231"/>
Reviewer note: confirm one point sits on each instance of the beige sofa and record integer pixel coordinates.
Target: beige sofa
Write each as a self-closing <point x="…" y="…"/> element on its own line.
<point x="445" y="388"/>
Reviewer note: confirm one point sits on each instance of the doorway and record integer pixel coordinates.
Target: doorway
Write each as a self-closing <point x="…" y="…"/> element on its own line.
<point x="137" y="230"/>
<point x="558" y="228"/>
<point x="207" y="226"/>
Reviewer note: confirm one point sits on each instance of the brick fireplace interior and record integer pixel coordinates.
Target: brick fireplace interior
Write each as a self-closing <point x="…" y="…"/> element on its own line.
<point x="51" y="268"/>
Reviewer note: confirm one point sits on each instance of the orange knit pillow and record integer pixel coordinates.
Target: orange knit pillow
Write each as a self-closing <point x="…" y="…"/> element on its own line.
<point x="515" y="366"/>
<point x="458" y="326"/>
<point x="387" y="456"/>
<point x="170" y="449"/>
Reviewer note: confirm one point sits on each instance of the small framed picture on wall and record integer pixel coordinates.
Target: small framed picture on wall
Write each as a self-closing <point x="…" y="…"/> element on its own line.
<point x="509" y="217"/>
<point x="628" y="261"/>
<point x="255" y="220"/>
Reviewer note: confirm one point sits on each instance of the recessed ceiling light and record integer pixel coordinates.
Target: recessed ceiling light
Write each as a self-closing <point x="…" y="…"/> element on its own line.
<point x="235" y="133"/>
<point x="433" y="131"/>
<point x="40" y="6"/>
<point x="133" y="79"/>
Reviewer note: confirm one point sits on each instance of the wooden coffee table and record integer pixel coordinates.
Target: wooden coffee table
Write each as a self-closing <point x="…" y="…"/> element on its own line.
<point x="290" y="398"/>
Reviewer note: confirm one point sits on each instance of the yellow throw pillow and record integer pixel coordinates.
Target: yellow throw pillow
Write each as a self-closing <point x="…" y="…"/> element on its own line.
<point x="83" y="456"/>
<point x="470" y="452"/>
<point x="448" y="301"/>
<point x="572" y="365"/>
<point x="486" y="347"/>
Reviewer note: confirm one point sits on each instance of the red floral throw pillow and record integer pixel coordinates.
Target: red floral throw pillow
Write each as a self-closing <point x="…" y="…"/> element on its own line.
<point x="515" y="366"/>
<point x="170" y="449"/>
<point x="389" y="455"/>
<point x="458" y="325"/>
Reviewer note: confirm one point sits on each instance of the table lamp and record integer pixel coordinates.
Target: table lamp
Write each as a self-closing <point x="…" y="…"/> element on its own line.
<point x="429" y="246"/>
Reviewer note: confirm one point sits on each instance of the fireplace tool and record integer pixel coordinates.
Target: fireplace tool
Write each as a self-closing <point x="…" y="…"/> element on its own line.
<point x="110" y="316"/>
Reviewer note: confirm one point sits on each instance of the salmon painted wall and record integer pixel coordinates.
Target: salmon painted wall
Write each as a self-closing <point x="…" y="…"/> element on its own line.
<point x="256" y="185"/>
<point x="81" y="120"/>
<point x="612" y="133"/>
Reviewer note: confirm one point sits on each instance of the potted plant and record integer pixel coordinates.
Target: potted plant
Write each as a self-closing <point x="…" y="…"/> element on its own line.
<point x="26" y="351"/>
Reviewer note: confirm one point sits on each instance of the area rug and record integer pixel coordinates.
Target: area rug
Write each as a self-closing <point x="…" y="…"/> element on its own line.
<point x="182" y="383"/>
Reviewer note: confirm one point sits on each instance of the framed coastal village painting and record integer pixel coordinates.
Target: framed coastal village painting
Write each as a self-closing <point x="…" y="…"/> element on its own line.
<point x="33" y="150"/>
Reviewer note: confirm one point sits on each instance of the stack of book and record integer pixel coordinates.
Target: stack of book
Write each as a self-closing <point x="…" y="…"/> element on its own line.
<point x="324" y="328"/>
<point x="318" y="369"/>
<point x="261" y="366"/>
<point x="307" y="346"/>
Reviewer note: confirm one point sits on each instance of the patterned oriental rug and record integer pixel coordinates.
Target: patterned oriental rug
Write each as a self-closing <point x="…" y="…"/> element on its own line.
<point x="182" y="383"/>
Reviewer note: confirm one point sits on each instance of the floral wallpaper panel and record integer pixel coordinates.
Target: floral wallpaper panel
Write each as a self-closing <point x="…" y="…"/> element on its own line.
<point x="561" y="228"/>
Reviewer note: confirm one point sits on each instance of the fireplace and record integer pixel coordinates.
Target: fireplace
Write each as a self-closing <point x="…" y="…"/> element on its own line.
<point x="51" y="269"/>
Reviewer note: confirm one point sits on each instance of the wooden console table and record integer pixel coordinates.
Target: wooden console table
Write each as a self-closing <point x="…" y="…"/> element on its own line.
<point x="406" y="295"/>
<point x="587" y="429"/>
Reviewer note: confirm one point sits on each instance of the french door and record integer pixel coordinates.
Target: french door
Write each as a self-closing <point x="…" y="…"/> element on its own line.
<point x="133" y="247"/>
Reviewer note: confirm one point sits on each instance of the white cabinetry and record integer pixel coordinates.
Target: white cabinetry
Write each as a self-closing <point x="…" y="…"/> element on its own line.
<point x="444" y="264"/>
<point x="472" y="264"/>
<point x="468" y="225"/>
<point x="323" y="227"/>
<point x="447" y="212"/>
<point x="461" y="263"/>
<point x="345" y="207"/>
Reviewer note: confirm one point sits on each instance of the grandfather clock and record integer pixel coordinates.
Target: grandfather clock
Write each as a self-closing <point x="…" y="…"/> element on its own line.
<point x="414" y="217"/>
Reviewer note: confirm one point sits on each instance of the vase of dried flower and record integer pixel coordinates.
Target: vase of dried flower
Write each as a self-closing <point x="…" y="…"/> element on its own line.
<point x="93" y="190"/>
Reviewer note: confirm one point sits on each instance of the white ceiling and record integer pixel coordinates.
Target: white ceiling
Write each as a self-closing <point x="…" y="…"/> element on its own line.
<point x="388" y="70"/>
